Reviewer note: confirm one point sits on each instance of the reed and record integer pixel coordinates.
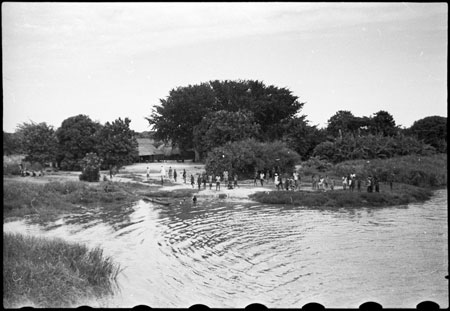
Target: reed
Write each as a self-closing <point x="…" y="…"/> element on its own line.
<point x="53" y="273"/>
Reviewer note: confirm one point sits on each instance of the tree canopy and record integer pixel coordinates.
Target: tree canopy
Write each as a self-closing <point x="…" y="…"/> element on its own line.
<point x="77" y="136"/>
<point x="343" y="121"/>
<point x="185" y="107"/>
<point x="117" y="145"/>
<point x="220" y="127"/>
<point x="38" y="141"/>
<point x="432" y="130"/>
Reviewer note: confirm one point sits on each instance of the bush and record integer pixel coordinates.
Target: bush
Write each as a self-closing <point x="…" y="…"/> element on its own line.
<point x="244" y="157"/>
<point x="314" y="165"/>
<point x="90" y="167"/>
<point x="422" y="171"/>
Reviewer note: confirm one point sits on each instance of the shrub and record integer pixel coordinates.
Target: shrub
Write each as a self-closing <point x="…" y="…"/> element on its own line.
<point x="314" y="165"/>
<point x="90" y="167"/>
<point x="244" y="157"/>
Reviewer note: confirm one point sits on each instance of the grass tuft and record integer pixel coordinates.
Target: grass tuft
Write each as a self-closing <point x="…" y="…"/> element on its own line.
<point x="53" y="273"/>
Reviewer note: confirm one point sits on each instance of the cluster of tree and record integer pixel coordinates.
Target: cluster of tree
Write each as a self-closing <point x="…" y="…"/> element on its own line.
<point x="352" y="147"/>
<point x="206" y="116"/>
<point x="349" y="137"/>
<point x="114" y="143"/>
<point x="431" y="130"/>
<point x="343" y="121"/>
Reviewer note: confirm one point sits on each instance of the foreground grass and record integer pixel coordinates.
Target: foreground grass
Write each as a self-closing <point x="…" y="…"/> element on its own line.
<point x="52" y="273"/>
<point x="402" y="194"/>
<point x="55" y="198"/>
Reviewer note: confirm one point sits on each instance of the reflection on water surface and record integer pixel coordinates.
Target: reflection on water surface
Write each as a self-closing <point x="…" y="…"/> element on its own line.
<point x="231" y="254"/>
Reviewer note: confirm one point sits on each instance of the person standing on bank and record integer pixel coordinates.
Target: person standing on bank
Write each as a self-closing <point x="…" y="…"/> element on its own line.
<point x="210" y="180"/>
<point x="261" y="178"/>
<point x="235" y="181"/>
<point x="217" y="182"/>
<point x="192" y="181"/>
<point x="199" y="181"/>
<point x="163" y="174"/>
<point x="175" y="175"/>
<point x="184" y="175"/>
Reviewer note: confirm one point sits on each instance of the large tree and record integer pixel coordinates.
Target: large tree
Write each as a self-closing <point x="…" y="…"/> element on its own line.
<point x="217" y="128"/>
<point x="117" y="145"/>
<point x="174" y="120"/>
<point x="432" y="130"/>
<point x="383" y="123"/>
<point x="301" y="137"/>
<point x="342" y="122"/>
<point x="77" y="136"/>
<point x="38" y="141"/>
<point x="177" y="115"/>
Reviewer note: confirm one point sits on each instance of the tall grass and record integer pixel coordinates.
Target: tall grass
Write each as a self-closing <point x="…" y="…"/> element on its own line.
<point x="52" y="273"/>
<point x="403" y="194"/>
<point x="55" y="198"/>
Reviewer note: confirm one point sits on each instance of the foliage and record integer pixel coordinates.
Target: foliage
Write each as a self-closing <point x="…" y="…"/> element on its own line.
<point x="77" y="136"/>
<point x="11" y="144"/>
<point x="344" y="122"/>
<point x="247" y="156"/>
<point x="222" y="126"/>
<point x="90" y="167"/>
<point x="53" y="273"/>
<point x="351" y="147"/>
<point x="315" y="164"/>
<point x="383" y="123"/>
<point x="432" y="130"/>
<point x="422" y="171"/>
<point x="185" y="107"/>
<point x="117" y="144"/>
<point x="301" y="137"/>
<point x="269" y="104"/>
<point x="38" y="142"/>
<point x="11" y="164"/>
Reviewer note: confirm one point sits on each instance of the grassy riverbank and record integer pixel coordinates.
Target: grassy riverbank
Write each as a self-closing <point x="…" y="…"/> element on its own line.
<point x="52" y="199"/>
<point x="52" y="273"/>
<point x="413" y="177"/>
<point x="402" y="194"/>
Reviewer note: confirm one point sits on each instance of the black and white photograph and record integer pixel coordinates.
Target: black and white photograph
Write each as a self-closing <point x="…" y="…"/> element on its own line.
<point x="283" y="155"/>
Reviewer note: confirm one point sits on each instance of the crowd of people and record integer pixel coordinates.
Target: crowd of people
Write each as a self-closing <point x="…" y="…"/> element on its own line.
<point x="286" y="181"/>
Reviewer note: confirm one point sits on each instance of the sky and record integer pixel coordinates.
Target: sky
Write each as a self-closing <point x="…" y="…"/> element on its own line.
<point x="111" y="60"/>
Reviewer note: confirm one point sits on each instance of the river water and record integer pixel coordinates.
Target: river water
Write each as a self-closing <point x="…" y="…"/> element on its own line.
<point x="234" y="253"/>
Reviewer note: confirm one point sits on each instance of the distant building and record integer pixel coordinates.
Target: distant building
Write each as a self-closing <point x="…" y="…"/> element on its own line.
<point x="147" y="151"/>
